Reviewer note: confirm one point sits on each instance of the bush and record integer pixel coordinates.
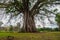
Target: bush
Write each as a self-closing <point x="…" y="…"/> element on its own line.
<point x="56" y="29"/>
<point x="44" y="29"/>
<point x="11" y="28"/>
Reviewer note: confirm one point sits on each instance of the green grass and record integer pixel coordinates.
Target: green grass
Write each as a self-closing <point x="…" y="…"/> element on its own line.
<point x="33" y="36"/>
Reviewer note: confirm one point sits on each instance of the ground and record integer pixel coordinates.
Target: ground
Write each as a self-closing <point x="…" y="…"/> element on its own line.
<point x="32" y="36"/>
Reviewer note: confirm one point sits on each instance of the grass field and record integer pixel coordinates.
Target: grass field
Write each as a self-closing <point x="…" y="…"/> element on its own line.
<point x="32" y="36"/>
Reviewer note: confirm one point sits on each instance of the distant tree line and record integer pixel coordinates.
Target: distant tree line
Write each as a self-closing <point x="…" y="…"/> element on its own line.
<point x="47" y="29"/>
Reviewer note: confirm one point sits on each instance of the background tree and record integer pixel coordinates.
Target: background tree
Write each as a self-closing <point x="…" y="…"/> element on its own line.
<point x="11" y="28"/>
<point x="18" y="26"/>
<point x="29" y="8"/>
<point x="58" y="20"/>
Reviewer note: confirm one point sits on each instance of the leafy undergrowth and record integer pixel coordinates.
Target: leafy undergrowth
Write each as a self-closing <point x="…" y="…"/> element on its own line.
<point x="32" y="36"/>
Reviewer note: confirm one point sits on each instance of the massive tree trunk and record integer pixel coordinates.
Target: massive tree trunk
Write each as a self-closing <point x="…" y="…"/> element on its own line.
<point x="29" y="24"/>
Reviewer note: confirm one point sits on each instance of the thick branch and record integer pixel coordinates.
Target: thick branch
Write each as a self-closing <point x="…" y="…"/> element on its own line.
<point x="36" y="4"/>
<point x="26" y="4"/>
<point x="36" y="11"/>
<point x="2" y="5"/>
<point x="16" y="5"/>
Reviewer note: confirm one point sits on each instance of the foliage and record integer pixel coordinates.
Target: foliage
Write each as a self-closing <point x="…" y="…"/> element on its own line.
<point x="11" y="28"/>
<point x="47" y="29"/>
<point x="14" y="7"/>
<point x="58" y="17"/>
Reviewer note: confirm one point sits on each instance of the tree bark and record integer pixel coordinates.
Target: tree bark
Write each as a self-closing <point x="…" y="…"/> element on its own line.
<point x="29" y="24"/>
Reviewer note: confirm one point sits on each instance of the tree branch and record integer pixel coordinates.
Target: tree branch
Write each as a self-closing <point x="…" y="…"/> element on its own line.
<point x="25" y="5"/>
<point x="16" y="5"/>
<point x="51" y="22"/>
<point x="48" y="11"/>
<point x="4" y="5"/>
<point x="36" y="11"/>
<point x="36" y="4"/>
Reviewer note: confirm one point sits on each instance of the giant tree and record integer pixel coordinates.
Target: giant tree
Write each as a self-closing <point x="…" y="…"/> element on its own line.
<point x="29" y="8"/>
